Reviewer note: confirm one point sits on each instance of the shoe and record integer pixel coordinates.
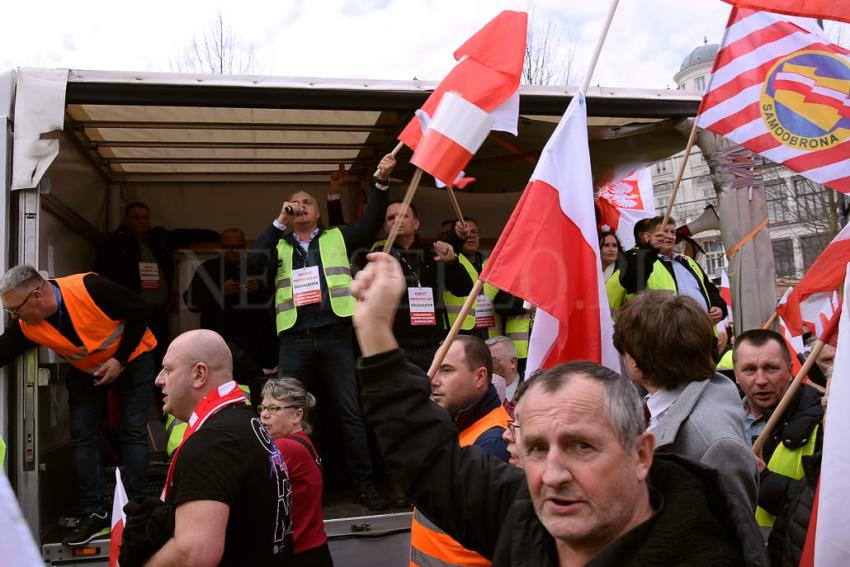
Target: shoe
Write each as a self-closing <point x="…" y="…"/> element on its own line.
<point x="96" y="525"/>
<point x="397" y="498"/>
<point x="369" y="497"/>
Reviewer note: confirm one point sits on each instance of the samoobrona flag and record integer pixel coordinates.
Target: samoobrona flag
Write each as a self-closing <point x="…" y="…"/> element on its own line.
<point x="487" y="74"/>
<point x="548" y="254"/>
<point x="625" y="202"/>
<point x="782" y="90"/>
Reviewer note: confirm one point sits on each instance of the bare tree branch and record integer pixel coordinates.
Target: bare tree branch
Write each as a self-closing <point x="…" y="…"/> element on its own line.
<point x="218" y="51"/>
<point x="549" y="54"/>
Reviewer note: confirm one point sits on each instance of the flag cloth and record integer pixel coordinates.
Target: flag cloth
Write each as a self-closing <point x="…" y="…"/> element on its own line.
<point x="623" y="203"/>
<point x="548" y="253"/>
<point x="726" y="291"/>
<point x="833" y="517"/>
<point x="118" y="519"/>
<point x="826" y="9"/>
<point x="451" y="138"/>
<point x="823" y="277"/>
<point x="780" y="89"/>
<point x="487" y="75"/>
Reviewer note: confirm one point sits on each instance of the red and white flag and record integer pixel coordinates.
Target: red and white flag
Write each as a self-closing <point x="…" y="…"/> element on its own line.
<point x="453" y="136"/>
<point x="487" y="74"/>
<point x="833" y="511"/>
<point x="118" y="520"/>
<point x="782" y="90"/>
<point x="815" y="293"/>
<point x="826" y="9"/>
<point x="623" y="203"/>
<point x="726" y="290"/>
<point x="548" y="253"/>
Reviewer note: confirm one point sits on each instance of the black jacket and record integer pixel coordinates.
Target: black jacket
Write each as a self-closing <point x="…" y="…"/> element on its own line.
<point x="485" y="504"/>
<point x="788" y="537"/>
<point x="119" y="258"/>
<point x="794" y="430"/>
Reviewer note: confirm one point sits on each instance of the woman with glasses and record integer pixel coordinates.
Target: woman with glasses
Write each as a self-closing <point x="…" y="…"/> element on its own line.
<point x="285" y="402"/>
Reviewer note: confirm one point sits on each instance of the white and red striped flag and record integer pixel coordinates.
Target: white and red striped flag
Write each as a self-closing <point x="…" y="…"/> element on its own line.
<point x="782" y="90"/>
<point x="487" y="75"/>
<point x="827" y="9"/>
<point x="452" y="138"/>
<point x="623" y="203"/>
<point x="832" y="514"/>
<point x="813" y="295"/>
<point x="548" y="253"/>
<point x="118" y="520"/>
<point x="726" y="291"/>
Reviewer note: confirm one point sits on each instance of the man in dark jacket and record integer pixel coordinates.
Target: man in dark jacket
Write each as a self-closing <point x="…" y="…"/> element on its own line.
<point x="763" y="371"/>
<point x="591" y="493"/>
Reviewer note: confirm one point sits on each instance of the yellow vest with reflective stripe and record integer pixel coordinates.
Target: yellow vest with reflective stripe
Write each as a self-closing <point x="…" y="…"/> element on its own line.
<point x="336" y="270"/>
<point x="787" y="462"/>
<point x="454" y="303"/>
<point x="518" y="329"/>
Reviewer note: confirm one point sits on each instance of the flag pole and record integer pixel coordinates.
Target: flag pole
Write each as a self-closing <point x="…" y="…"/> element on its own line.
<point x="776" y="416"/>
<point x="455" y="205"/>
<point x="691" y="139"/>
<point x="393" y="153"/>
<point x="405" y="205"/>
<point x="479" y="283"/>
<point x="770" y="320"/>
<point x="464" y="311"/>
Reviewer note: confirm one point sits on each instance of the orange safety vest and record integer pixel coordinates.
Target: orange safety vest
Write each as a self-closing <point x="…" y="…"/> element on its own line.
<point x="429" y="545"/>
<point x="99" y="334"/>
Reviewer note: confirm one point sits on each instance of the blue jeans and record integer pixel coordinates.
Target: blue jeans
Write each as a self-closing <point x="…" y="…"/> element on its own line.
<point x="87" y="405"/>
<point x="327" y="354"/>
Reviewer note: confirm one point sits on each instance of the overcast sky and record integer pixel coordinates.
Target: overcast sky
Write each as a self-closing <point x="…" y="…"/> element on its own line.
<point x="378" y="39"/>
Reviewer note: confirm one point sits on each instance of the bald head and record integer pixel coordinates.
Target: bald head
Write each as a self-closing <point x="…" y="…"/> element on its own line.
<point x="195" y="364"/>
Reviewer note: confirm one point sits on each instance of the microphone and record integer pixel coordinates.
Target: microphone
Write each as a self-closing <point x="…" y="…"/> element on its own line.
<point x="292" y="211"/>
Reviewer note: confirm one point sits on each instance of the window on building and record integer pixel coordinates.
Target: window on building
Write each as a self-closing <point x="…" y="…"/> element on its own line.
<point x="662" y="167"/>
<point x="715" y="257"/>
<point x="661" y="204"/>
<point x="776" y="197"/>
<point x="812" y="200"/>
<point x="783" y="258"/>
<point x="811" y="246"/>
<point x="699" y="83"/>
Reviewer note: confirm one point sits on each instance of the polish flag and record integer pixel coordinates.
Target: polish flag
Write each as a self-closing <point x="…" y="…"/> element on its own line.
<point x="726" y="289"/>
<point x="487" y="75"/>
<point x="452" y="138"/>
<point x="826" y="9"/>
<point x="823" y="277"/>
<point x="623" y="203"/>
<point x="548" y="253"/>
<point x="118" y="520"/>
<point x="833" y="512"/>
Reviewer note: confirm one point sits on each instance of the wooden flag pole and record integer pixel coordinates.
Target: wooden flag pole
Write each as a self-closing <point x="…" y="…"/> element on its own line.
<point x="776" y="416"/>
<point x="405" y="204"/>
<point x="691" y="139"/>
<point x="393" y="153"/>
<point x="599" y="43"/>
<point x="464" y="311"/>
<point x="770" y="320"/>
<point x="455" y="205"/>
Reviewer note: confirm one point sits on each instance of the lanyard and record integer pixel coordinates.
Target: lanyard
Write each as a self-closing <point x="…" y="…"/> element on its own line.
<point x="225" y="395"/>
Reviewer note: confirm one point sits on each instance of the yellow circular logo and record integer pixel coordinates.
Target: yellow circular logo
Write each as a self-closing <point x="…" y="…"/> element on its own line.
<point x="805" y="102"/>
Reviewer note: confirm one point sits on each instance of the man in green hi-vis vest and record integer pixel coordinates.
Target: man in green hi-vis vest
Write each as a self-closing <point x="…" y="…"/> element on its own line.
<point x="313" y="308"/>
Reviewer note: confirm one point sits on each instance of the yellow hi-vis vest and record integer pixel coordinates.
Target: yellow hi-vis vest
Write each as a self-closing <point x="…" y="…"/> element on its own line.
<point x="454" y="303"/>
<point x="337" y="272"/>
<point x="430" y="546"/>
<point x="787" y="462"/>
<point x="518" y="329"/>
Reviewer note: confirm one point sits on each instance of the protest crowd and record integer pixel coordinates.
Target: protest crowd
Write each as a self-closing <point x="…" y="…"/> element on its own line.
<point x="650" y="431"/>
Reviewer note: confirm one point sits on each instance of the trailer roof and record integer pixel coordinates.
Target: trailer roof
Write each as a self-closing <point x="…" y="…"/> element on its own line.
<point x="186" y="127"/>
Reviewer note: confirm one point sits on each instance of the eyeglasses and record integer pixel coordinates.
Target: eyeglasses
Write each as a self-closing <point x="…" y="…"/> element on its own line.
<point x="513" y="426"/>
<point x="14" y="310"/>
<point x="274" y="409"/>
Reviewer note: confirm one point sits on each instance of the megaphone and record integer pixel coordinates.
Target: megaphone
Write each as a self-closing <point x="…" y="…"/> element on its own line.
<point x="708" y="220"/>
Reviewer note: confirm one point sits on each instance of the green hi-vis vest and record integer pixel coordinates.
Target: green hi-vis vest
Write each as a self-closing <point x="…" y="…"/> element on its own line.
<point x="660" y="278"/>
<point x="787" y="462"/>
<point x="337" y="272"/>
<point x="176" y="428"/>
<point x="455" y="303"/>
<point x="518" y="329"/>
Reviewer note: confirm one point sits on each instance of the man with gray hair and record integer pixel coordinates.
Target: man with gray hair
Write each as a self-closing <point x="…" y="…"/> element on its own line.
<point x="505" y="364"/>
<point x="591" y="491"/>
<point x="101" y="330"/>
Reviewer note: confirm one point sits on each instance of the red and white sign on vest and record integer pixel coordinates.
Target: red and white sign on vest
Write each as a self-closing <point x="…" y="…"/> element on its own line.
<point x="454" y="135"/>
